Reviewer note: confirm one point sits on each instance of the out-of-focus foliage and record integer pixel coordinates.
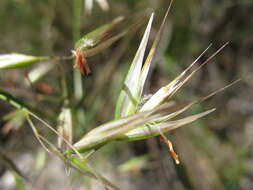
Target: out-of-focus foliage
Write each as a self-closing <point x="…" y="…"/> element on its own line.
<point x="215" y="153"/>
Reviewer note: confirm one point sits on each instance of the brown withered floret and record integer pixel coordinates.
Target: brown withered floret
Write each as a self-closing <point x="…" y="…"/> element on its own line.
<point x="81" y="63"/>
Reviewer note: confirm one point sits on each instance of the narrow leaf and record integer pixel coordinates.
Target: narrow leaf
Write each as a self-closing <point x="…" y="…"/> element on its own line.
<point x="13" y="61"/>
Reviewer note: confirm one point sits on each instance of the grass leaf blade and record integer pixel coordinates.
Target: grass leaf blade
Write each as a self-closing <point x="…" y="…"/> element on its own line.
<point x="15" y="60"/>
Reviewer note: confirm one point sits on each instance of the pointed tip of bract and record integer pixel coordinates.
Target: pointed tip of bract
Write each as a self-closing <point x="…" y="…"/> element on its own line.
<point x="125" y="105"/>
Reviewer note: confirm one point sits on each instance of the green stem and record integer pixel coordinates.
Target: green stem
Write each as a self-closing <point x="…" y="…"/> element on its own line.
<point x="77" y="4"/>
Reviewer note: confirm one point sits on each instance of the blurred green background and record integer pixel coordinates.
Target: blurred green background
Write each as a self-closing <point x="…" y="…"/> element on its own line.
<point x="215" y="152"/>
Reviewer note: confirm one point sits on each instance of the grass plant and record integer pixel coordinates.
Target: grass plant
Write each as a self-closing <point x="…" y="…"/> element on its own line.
<point x="133" y="120"/>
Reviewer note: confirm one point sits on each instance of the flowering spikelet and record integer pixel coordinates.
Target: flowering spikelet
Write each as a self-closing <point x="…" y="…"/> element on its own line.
<point x="103" y="37"/>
